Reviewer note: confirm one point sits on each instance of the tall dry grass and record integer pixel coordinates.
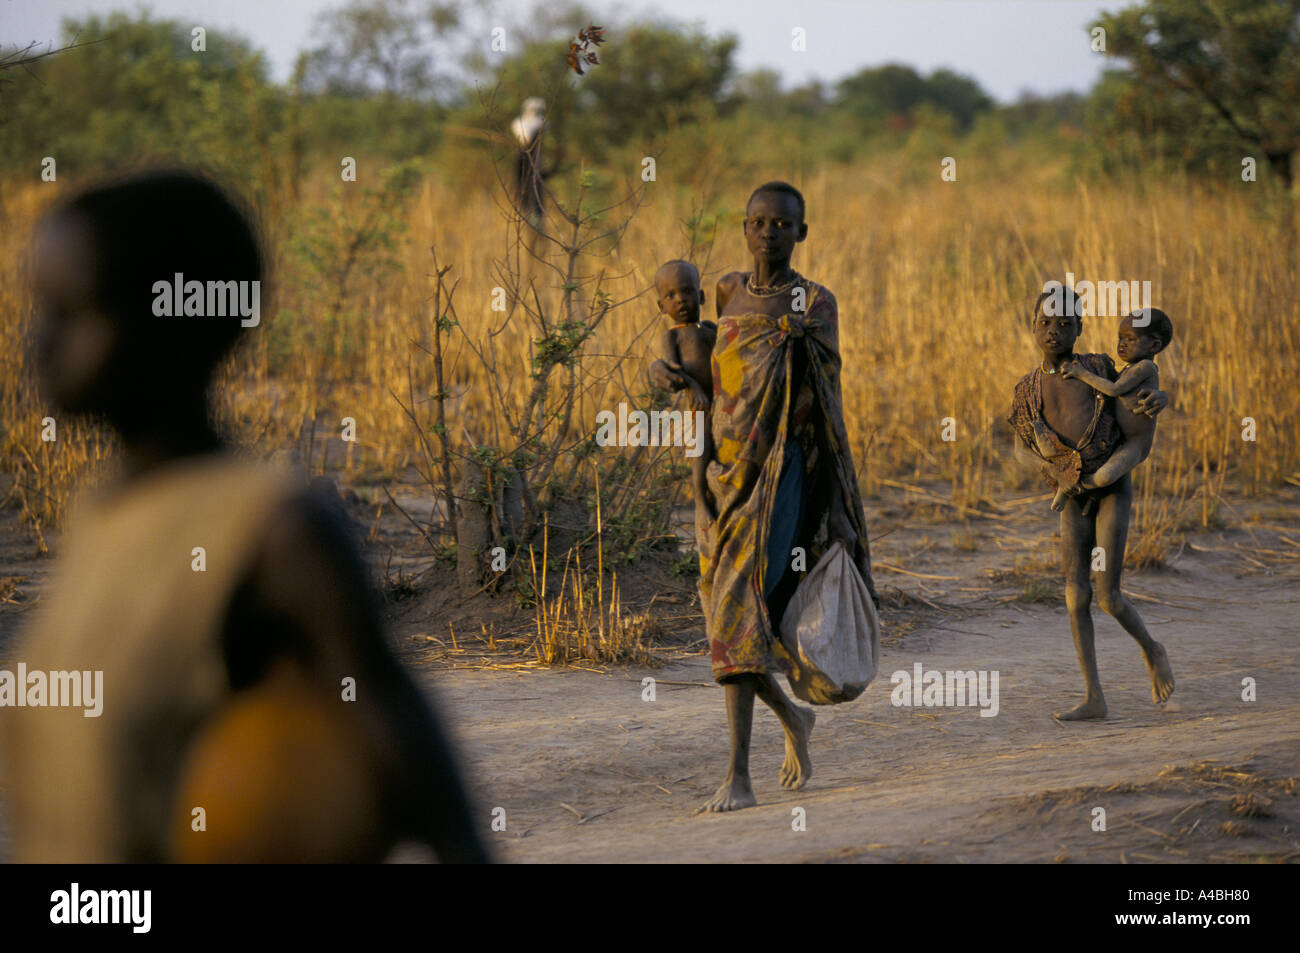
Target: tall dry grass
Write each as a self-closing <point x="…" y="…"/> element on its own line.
<point x="934" y="281"/>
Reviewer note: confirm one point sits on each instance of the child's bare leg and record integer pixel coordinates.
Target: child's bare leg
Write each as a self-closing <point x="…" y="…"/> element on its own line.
<point x="1077" y="535"/>
<point x="1112" y="536"/>
<point x="1121" y="462"/>
<point x="798" y="724"/>
<point x="736" y="791"/>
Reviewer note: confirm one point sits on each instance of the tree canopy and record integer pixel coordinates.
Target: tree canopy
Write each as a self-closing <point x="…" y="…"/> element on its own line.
<point x="1205" y="73"/>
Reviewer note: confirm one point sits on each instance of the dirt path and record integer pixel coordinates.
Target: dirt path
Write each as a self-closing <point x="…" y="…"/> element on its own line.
<point x="925" y="784"/>
<point x="587" y="771"/>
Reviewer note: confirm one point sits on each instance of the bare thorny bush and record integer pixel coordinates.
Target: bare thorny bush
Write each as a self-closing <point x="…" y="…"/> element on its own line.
<point x="527" y="475"/>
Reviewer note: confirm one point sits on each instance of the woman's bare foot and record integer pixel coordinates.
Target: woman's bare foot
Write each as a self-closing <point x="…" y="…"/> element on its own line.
<point x="1162" y="676"/>
<point x="734" y="794"/>
<point x="1086" y="710"/>
<point x="797" y="767"/>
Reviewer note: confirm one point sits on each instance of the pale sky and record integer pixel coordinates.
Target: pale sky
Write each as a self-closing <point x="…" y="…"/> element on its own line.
<point x="1007" y="45"/>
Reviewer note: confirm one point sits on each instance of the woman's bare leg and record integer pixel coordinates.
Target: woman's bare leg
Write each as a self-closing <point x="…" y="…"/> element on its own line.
<point x="736" y="791"/>
<point x="798" y="724"/>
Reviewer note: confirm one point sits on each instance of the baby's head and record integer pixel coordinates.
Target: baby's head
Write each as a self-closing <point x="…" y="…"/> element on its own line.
<point x="100" y="344"/>
<point x="1143" y="334"/>
<point x="677" y="284"/>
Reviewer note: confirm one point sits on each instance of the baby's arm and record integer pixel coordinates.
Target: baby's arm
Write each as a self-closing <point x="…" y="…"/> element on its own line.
<point x="1137" y="376"/>
<point x="1134" y="377"/>
<point x="696" y="355"/>
<point x="666" y="373"/>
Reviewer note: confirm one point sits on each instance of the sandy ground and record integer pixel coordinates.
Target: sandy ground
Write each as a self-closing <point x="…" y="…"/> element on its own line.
<point x="893" y="783"/>
<point x="586" y="770"/>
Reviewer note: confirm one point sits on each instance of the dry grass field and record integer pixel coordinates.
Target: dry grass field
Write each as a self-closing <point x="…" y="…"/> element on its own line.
<point x="934" y="280"/>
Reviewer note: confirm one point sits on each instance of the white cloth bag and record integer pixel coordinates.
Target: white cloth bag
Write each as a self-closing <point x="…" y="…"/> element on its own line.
<point x="831" y="630"/>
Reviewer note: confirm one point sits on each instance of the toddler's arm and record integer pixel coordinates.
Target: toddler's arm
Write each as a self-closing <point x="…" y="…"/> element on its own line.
<point x="1132" y="378"/>
<point x="666" y="372"/>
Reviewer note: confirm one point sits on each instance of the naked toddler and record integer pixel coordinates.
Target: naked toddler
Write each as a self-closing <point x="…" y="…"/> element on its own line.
<point x="686" y="355"/>
<point x="1137" y="345"/>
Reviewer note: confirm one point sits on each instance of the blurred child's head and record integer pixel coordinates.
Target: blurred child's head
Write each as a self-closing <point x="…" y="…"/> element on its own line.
<point x="100" y="344"/>
<point x="677" y="285"/>
<point x="1143" y="334"/>
<point x="1057" y="321"/>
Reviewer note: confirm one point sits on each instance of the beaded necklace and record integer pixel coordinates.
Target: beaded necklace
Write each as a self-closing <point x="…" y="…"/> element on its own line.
<point x="771" y="291"/>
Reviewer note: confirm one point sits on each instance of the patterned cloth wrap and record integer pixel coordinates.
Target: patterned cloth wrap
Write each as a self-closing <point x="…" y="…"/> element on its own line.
<point x="1068" y="465"/>
<point x="755" y="413"/>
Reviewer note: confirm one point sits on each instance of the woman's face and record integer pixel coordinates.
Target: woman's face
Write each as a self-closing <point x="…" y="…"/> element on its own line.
<point x="773" y="226"/>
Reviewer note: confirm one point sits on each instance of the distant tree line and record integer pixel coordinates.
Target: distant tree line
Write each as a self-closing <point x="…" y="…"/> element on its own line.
<point x="1197" y="86"/>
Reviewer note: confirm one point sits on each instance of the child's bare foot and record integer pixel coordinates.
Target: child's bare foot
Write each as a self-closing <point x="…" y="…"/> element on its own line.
<point x="1062" y="497"/>
<point x="797" y="767"/>
<point x="1162" y="676"/>
<point x="1088" y="709"/>
<point x="734" y="794"/>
